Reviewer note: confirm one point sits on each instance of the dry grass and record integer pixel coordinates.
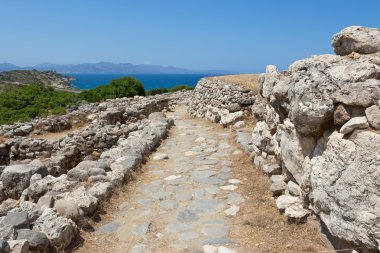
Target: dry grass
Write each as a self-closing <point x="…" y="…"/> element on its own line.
<point x="249" y="81"/>
<point x="260" y="226"/>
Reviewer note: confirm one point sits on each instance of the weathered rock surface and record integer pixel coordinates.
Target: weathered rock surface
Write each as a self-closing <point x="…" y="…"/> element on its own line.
<point x="59" y="230"/>
<point x="346" y="196"/>
<point x="314" y="100"/>
<point x="373" y="116"/>
<point x="362" y="40"/>
<point x="16" y="178"/>
<point x="300" y="113"/>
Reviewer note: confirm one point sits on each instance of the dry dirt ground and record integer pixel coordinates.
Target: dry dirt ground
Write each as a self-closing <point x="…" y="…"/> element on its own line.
<point x="249" y="81"/>
<point x="145" y="213"/>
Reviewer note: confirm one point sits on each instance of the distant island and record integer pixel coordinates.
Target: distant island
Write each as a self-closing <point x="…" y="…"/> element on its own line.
<point x="23" y="77"/>
<point x="111" y="68"/>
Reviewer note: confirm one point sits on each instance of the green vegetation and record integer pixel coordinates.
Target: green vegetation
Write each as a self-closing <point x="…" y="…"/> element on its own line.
<point x="28" y="101"/>
<point x="123" y="87"/>
<point x="166" y="90"/>
<point x="23" y="102"/>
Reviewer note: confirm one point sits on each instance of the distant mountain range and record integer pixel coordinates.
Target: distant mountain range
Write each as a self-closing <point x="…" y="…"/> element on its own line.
<point x="110" y="68"/>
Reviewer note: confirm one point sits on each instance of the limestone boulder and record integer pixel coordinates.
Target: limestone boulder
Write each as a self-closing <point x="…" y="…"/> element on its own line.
<point x="373" y="116"/>
<point x="38" y="241"/>
<point x="346" y="195"/>
<point x="354" y="123"/>
<point x="59" y="230"/>
<point x="262" y="138"/>
<point x="16" y="178"/>
<point x="357" y="39"/>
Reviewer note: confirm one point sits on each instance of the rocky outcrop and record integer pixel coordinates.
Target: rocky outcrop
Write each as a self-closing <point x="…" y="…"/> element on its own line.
<point x="219" y="101"/>
<point x="357" y="39"/>
<point x="22" y="77"/>
<point x="320" y="127"/>
<point x="317" y="135"/>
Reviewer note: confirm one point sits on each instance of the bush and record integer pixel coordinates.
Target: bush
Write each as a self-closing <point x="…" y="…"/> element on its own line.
<point x="29" y="101"/>
<point x="123" y="87"/>
<point x="166" y="90"/>
<point x="181" y="87"/>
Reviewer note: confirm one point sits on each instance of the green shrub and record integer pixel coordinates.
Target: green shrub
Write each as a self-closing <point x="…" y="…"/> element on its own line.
<point x="123" y="87"/>
<point x="156" y="91"/>
<point x="181" y="87"/>
<point x="166" y="90"/>
<point x="29" y="101"/>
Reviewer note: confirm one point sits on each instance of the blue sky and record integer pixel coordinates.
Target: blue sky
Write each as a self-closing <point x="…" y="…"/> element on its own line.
<point x="239" y="35"/>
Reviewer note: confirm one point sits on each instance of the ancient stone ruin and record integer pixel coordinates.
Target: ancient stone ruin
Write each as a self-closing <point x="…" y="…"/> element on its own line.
<point x="313" y="129"/>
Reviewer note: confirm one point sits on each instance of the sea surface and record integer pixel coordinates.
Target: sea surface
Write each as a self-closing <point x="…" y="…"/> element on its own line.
<point x="151" y="81"/>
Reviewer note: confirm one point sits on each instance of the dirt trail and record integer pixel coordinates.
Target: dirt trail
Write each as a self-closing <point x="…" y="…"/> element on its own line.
<point x="205" y="192"/>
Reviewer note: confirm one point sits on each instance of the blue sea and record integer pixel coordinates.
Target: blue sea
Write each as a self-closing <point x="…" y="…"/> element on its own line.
<point x="151" y="81"/>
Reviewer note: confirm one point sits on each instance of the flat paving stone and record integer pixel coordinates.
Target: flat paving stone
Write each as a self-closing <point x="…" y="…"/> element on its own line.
<point x="215" y="231"/>
<point x="187" y="216"/>
<point x="207" y="162"/>
<point x="232" y="211"/>
<point x="184" y="196"/>
<point x="234" y="198"/>
<point x="145" y="202"/>
<point x="202" y="174"/>
<point x="217" y="241"/>
<point x="200" y="206"/>
<point x="177" y="227"/>
<point x="178" y="181"/>
<point x="212" y="190"/>
<point x="139" y="248"/>
<point x="169" y="204"/>
<point x="142" y="229"/>
<point x="160" y="195"/>
<point x="188" y="236"/>
<point x="149" y="188"/>
<point x="226" y="169"/>
<point x="108" y="228"/>
<point x="214" y="221"/>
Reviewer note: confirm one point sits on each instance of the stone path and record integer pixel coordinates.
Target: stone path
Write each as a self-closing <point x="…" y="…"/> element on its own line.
<point x="189" y="194"/>
<point x="190" y="197"/>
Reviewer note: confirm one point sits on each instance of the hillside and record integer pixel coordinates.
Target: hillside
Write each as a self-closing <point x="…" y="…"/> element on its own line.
<point x="111" y="68"/>
<point x="23" y="77"/>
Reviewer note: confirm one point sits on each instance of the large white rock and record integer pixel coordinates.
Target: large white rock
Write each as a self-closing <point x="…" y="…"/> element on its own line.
<point x="354" y="123"/>
<point x="293" y="149"/>
<point x="230" y="117"/>
<point x="59" y="230"/>
<point x="357" y="39"/>
<point x="285" y="201"/>
<point x="345" y="187"/>
<point x="373" y="116"/>
<point x="262" y="138"/>
<point x="296" y="212"/>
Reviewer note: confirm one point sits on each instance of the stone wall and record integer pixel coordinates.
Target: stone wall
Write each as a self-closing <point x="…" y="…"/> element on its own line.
<point x="44" y="201"/>
<point x="220" y="101"/>
<point x="319" y="129"/>
<point x="317" y="135"/>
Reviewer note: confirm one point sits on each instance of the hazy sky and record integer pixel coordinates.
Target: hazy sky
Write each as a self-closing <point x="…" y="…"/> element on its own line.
<point x="239" y="35"/>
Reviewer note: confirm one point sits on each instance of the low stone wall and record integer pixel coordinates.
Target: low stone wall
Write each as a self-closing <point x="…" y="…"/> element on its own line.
<point x="44" y="201"/>
<point x="220" y="101"/>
